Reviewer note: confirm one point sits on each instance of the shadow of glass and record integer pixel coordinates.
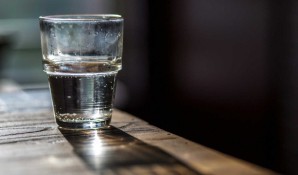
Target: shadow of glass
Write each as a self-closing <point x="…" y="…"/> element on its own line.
<point x="112" y="151"/>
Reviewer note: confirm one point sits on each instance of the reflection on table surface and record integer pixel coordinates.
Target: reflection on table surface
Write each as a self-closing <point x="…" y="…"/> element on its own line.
<point x="112" y="151"/>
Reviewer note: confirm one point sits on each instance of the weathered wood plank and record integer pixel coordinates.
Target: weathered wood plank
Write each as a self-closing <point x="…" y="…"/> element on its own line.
<point x="31" y="143"/>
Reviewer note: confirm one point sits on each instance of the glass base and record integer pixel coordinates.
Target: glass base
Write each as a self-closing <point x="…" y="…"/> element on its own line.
<point x="84" y="125"/>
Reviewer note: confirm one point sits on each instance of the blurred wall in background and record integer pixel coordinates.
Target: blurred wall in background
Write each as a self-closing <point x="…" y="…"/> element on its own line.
<point x="220" y="73"/>
<point x="224" y="74"/>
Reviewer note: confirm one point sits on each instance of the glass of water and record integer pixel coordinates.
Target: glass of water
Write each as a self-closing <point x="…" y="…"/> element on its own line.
<point x="82" y="55"/>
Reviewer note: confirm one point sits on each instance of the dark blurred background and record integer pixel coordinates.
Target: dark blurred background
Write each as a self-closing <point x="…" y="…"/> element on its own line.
<point x="222" y="73"/>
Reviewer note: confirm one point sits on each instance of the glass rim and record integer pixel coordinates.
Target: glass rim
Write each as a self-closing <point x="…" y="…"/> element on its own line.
<point x="82" y="17"/>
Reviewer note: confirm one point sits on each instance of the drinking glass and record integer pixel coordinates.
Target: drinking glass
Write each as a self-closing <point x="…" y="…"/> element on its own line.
<point x="82" y="55"/>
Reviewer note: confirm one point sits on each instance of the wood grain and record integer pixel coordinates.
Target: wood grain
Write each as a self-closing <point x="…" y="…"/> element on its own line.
<point x="31" y="143"/>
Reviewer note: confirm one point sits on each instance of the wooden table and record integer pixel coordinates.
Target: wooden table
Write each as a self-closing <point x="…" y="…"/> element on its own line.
<point x="31" y="143"/>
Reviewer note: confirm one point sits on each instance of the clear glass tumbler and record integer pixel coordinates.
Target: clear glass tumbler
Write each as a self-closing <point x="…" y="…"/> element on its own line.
<point x="82" y="55"/>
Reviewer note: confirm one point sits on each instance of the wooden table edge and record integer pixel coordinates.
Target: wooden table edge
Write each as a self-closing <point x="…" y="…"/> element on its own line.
<point x="199" y="157"/>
